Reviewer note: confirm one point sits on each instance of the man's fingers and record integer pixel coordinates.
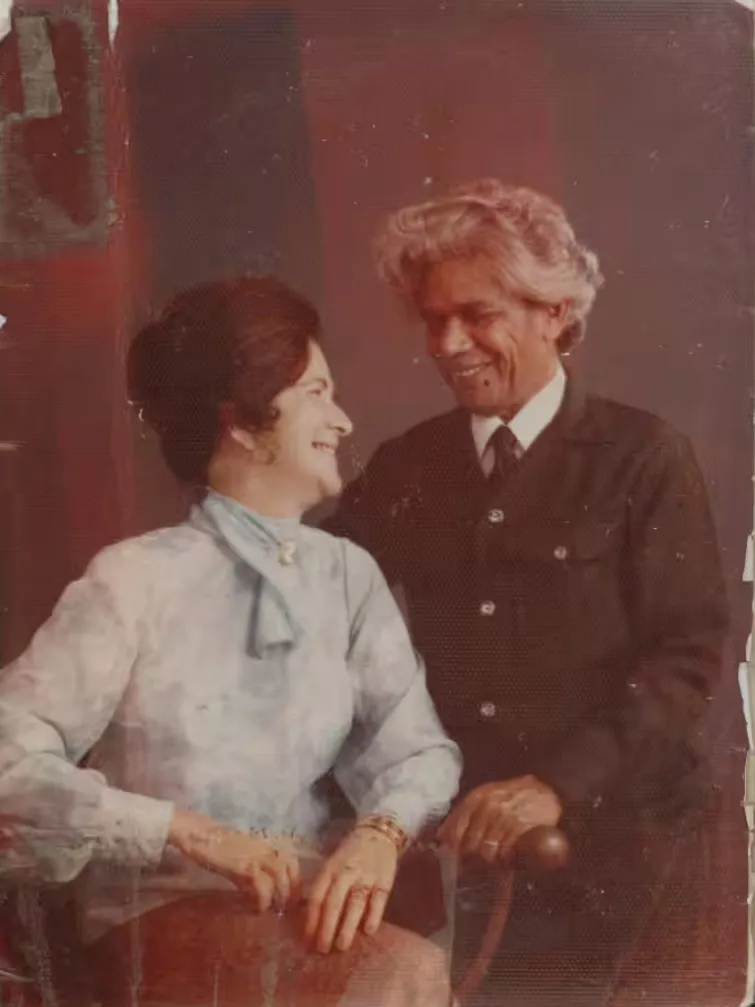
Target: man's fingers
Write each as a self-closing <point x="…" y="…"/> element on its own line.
<point x="484" y="820"/>
<point x="510" y="834"/>
<point x="451" y="832"/>
<point x="489" y="850"/>
<point x="489" y="834"/>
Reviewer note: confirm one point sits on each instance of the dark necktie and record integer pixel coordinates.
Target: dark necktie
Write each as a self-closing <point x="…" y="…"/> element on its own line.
<point x="507" y="451"/>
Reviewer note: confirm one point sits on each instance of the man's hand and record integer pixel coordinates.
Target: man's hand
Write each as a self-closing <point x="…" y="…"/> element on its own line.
<point x="490" y="819"/>
<point x="351" y="890"/>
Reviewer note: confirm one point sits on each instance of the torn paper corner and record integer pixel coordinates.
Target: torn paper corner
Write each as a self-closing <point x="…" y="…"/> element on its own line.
<point x="5" y="6"/>
<point x="745" y="688"/>
<point x="749" y="4"/>
<point x="112" y="19"/>
<point x="747" y="573"/>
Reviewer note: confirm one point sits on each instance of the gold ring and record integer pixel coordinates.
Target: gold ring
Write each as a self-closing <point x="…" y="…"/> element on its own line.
<point x="360" y="891"/>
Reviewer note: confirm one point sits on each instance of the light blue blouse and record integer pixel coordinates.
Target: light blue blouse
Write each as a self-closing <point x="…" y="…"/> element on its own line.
<point x="171" y="663"/>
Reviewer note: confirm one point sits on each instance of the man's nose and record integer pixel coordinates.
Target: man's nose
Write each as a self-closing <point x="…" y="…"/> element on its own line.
<point x="450" y="339"/>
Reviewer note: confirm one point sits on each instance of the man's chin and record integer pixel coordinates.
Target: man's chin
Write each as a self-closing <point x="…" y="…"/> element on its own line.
<point x="476" y="401"/>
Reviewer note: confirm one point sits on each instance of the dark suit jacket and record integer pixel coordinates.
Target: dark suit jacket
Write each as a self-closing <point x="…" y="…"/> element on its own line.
<point x="573" y="625"/>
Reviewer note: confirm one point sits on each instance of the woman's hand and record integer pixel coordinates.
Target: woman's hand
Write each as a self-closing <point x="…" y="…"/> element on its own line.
<point x="352" y="888"/>
<point x="266" y="869"/>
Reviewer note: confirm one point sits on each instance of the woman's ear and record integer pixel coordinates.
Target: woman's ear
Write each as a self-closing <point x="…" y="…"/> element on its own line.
<point x="230" y="427"/>
<point x="244" y="438"/>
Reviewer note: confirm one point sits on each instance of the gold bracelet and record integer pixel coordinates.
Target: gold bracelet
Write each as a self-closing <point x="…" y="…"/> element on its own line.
<point x="389" y="827"/>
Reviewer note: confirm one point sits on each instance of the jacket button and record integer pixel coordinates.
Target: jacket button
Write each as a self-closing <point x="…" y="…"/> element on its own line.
<point x="488" y="710"/>
<point x="495" y="516"/>
<point x="487" y="608"/>
<point x="560" y="552"/>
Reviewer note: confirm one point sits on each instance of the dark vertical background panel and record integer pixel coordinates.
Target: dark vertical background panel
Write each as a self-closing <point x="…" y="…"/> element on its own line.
<point x="220" y="149"/>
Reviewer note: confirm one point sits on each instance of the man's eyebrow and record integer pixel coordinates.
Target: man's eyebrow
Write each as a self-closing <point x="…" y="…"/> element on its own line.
<point x="477" y="305"/>
<point x="462" y="306"/>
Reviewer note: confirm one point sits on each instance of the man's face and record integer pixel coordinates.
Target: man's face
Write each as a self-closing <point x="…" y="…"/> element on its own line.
<point x="494" y="351"/>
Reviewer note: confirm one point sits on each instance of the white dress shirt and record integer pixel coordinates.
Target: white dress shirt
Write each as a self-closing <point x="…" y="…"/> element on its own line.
<point x="146" y="663"/>
<point x="528" y="423"/>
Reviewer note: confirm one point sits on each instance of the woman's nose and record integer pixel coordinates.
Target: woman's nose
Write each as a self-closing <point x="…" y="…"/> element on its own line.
<point x="341" y="422"/>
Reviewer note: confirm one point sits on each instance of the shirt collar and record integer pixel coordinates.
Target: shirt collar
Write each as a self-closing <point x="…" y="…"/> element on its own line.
<point x="530" y="421"/>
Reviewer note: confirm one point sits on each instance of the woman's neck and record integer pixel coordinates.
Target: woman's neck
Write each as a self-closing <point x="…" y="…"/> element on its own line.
<point x="255" y="493"/>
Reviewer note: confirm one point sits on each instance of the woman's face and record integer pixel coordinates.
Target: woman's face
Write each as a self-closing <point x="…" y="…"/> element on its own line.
<point x="303" y="445"/>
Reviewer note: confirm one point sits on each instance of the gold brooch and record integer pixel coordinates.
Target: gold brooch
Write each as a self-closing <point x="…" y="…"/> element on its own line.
<point x="286" y="552"/>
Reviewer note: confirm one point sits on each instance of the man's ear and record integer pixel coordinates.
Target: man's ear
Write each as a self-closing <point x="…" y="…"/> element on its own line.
<point x="558" y="317"/>
<point x="560" y="311"/>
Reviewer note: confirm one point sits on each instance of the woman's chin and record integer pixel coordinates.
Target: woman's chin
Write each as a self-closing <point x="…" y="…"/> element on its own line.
<point x="326" y="487"/>
<point x="332" y="485"/>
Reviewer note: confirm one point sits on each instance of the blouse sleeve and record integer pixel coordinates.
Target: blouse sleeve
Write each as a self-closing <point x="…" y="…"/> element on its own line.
<point x="55" y="702"/>
<point x="397" y="759"/>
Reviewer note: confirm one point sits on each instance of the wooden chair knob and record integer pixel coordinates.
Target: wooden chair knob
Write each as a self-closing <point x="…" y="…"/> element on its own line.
<point x="544" y="848"/>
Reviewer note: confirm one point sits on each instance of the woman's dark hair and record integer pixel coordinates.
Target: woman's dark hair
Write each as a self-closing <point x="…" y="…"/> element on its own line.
<point x="239" y="341"/>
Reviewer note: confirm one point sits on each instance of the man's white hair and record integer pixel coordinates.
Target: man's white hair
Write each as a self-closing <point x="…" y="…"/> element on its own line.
<point x="525" y="235"/>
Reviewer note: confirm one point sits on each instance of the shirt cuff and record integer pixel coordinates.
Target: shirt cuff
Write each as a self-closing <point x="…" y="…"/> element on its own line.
<point x="135" y="828"/>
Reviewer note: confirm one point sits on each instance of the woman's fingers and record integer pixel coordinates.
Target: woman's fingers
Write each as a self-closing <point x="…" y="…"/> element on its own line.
<point x="376" y="909"/>
<point x="332" y="909"/>
<point x="263" y="886"/>
<point x="274" y="866"/>
<point x="294" y="876"/>
<point x="357" y="902"/>
<point x="315" y="903"/>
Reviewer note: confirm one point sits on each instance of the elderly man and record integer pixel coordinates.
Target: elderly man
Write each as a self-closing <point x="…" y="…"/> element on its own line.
<point x="562" y="579"/>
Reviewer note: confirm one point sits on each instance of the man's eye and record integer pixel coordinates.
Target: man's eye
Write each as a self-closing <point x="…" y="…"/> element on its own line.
<point x="479" y="317"/>
<point x="435" y="323"/>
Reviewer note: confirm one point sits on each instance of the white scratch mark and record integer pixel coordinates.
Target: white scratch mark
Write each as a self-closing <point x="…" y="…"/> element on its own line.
<point x="112" y="19"/>
<point x="3" y="320"/>
<point x="747" y="690"/>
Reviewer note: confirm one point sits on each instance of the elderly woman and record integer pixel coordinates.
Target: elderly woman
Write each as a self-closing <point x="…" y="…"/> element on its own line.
<point x="558" y="558"/>
<point x="170" y="723"/>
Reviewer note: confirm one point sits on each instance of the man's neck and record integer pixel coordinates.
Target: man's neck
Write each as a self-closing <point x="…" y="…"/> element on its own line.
<point x="528" y="422"/>
<point x="537" y="388"/>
